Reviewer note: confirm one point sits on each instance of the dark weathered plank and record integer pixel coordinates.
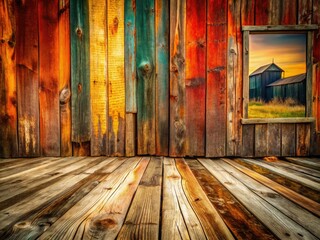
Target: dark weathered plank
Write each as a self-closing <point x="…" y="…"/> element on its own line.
<point x="49" y="78"/>
<point x="262" y="11"/>
<point x="65" y="78"/>
<point x="307" y="162"/>
<point x="195" y="83"/>
<point x="143" y="218"/>
<point x="80" y="77"/>
<point x="248" y="140"/>
<point x="8" y="84"/>
<point x="145" y="39"/>
<point x="305" y="11"/>
<point x="288" y="134"/>
<point x="98" y="76"/>
<point x="216" y="79"/>
<point x="274" y="139"/>
<point x="27" y="55"/>
<point x="288" y="12"/>
<point x="261" y="140"/>
<point x="162" y="77"/>
<point x="177" y="78"/>
<point x="302" y="139"/>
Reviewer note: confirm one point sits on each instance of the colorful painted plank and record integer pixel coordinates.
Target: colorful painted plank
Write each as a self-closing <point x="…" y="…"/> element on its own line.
<point x="195" y="83"/>
<point x="98" y="76"/>
<point x="27" y="78"/>
<point x="289" y="12"/>
<point x="305" y="11"/>
<point x="177" y="78"/>
<point x="145" y="63"/>
<point x="49" y="78"/>
<point x="162" y="77"/>
<point x="262" y="11"/>
<point x="302" y="139"/>
<point x="116" y="78"/>
<point x="216" y="121"/>
<point x="8" y="86"/>
<point x="65" y="78"/>
<point x="80" y="79"/>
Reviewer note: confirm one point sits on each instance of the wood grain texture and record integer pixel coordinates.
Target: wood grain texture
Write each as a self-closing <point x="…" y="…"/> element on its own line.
<point x="216" y="81"/>
<point x="145" y="39"/>
<point x="274" y="139"/>
<point x="305" y="11"/>
<point x="302" y="139"/>
<point x="65" y="78"/>
<point x="288" y="12"/>
<point x="98" y="76"/>
<point x="8" y="85"/>
<point x="177" y="78"/>
<point x="27" y="56"/>
<point x="195" y="83"/>
<point x="49" y="78"/>
<point x="80" y="73"/>
<point x="131" y="131"/>
<point x="116" y="78"/>
<point x="162" y="76"/>
<point x="248" y="140"/>
<point x="261" y="140"/>
<point x="288" y="133"/>
<point x="262" y="11"/>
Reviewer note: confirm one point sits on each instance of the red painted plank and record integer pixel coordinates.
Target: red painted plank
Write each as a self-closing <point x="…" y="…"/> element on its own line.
<point x="216" y="78"/>
<point x="195" y="83"/>
<point x="262" y="10"/>
<point x="289" y="12"/>
<point x="49" y="77"/>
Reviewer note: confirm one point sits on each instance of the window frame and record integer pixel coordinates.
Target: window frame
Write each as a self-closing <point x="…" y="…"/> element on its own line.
<point x="308" y="30"/>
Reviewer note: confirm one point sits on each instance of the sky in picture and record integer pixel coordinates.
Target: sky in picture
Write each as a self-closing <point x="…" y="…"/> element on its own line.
<point x="288" y="51"/>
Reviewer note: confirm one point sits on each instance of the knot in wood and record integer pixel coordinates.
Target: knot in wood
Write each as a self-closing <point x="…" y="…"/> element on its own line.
<point x="79" y="87"/>
<point x="145" y="67"/>
<point x="65" y="95"/>
<point x="115" y="22"/>
<point x="79" y="32"/>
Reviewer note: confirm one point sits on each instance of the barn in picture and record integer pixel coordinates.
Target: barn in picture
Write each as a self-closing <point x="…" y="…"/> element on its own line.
<point x="130" y="119"/>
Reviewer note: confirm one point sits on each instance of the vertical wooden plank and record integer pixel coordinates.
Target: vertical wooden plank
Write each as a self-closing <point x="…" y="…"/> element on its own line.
<point x="305" y="11"/>
<point x="248" y="141"/>
<point x="145" y="38"/>
<point x="288" y="135"/>
<point x="27" y="78"/>
<point x="195" y="83"/>
<point x="262" y="10"/>
<point x="116" y="79"/>
<point x="274" y="139"/>
<point x="261" y="140"/>
<point x="274" y="16"/>
<point x="234" y="79"/>
<point x="288" y="12"/>
<point x="98" y="75"/>
<point x="49" y="77"/>
<point x="302" y="139"/>
<point x="80" y="79"/>
<point x="216" y="78"/>
<point x="64" y="78"/>
<point x="162" y="77"/>
<point x="177" y="78"/>
<point x="130" y="75"/>
<point x="8" y="87"/>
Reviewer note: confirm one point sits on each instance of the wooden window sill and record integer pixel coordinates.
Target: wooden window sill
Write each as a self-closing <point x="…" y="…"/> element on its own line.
<point x="245" y="121"/>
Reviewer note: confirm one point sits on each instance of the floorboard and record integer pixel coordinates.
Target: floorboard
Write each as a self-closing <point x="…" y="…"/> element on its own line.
<point x="159" y="198"/>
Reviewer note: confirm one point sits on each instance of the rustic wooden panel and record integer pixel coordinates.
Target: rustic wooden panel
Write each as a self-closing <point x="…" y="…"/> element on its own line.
<point x="302" y="139"/>
<point x="274" y="139"/>
<point x="116" y="79"/>
<point x="131" y="129"/>
<point x="49" y="77"/>
<point x="145" y="38"/>
<point x="27" y="78"/>
<point x="305" y="11"/>
<point x="162" y="77"/>
<point x="288" y="12"/>
<point x="195" y="83"/>
<point x="262" y="10"/>
<point x="288" y="135"/>
<point x="80" y="81"/>
<point x="248" y="12"/>
<point x="177" y="78"/>
<point x="261" y="140"/>
<point x="98" y="76"/>
<point x="8" y="85"/>
<point x="216" y="79"/>
<point x="64" y="78"/>
<point x="234" y="79"/>
<point x="248" y="140"/>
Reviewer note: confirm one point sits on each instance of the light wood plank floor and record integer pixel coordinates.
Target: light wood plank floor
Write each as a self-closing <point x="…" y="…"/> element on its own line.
<point x="159" y="198"/>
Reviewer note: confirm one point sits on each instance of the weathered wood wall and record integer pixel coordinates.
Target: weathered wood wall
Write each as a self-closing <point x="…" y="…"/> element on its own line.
<point x="127" y="77"/>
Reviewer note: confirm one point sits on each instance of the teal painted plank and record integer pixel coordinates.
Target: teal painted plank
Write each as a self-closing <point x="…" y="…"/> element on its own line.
<point x="80" y="81"/>
<point x="145" y="39"/>
<point x="130" y="55"/>
<point x="162" y="77"/>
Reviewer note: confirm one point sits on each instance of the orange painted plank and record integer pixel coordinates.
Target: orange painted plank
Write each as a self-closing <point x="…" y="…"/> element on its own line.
<point x="49" y="77"/>
<point x="195" y="83"/>
<point x="8" y="87"/>
<point x="216" y="78"/>
<point x="64" y="78"/>
<point x="27" y="78"/>
<point x="116" y="79"/>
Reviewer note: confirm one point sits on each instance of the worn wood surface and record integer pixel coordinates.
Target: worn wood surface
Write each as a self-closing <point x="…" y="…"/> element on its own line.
<point x="288" y="132"/>
<point x="65" y="78"/>
<point x="98" y="76"/>
<point x="131" y="130"/>
<point x="49" y="78"/>
<point x="8" y="84"/>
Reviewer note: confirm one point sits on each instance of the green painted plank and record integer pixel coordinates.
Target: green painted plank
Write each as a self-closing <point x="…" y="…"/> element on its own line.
<point x="80" y="79"/>
<point x="162" y="77"/>
<point x="145" y="39"/>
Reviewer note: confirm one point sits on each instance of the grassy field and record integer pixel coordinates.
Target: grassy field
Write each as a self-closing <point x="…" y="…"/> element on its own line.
<point x="275" y="109"/>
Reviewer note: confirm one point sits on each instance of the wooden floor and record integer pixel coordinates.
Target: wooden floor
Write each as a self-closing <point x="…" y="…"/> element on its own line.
<point x="159" y="198"/>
